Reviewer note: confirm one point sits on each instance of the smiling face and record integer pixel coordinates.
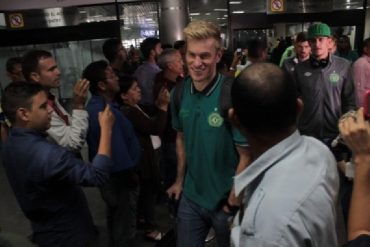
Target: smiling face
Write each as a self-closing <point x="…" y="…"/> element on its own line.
<point x="48" y="74"/>
<point x="201" y="58"/>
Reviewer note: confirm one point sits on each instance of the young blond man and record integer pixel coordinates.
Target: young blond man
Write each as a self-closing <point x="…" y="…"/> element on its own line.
<point x="205" y="144"/>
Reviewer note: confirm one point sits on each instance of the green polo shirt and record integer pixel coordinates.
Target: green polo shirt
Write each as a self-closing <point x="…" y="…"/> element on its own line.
<point x="211" y="156"/>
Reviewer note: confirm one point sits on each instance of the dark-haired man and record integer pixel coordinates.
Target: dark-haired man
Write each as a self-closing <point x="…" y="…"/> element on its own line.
<point x="45" y="176"/>
<point x="121" y="191"/>
<point x="291" y="186"/>
<point x="145" y="73"/>
<point x="14" y="72"/>
<point x="67" y="130"/>
<point x="14" y="69"/>
<point x="302" y="50"/>
<point x="116" y="54"/>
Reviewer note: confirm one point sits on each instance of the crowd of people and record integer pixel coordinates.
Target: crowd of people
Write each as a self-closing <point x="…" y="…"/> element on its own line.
<point x="244" y="146"/>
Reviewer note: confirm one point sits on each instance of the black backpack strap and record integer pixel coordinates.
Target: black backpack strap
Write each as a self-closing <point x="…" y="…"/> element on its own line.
<point x="225" y="97"/>
<point x="179" y="90"/>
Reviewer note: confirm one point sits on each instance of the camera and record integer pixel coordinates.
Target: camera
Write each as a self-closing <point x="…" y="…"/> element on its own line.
<point x="239" y="51"/>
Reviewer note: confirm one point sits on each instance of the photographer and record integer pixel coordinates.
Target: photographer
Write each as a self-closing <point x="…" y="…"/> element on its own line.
<point x="356" y="133"/>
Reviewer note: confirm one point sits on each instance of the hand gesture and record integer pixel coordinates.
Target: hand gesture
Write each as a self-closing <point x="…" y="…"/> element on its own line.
<point x="163" y="98"/>
<point x="80" y="91"/>
<point x="106" y="118"/>
<point x="356" y="133"/>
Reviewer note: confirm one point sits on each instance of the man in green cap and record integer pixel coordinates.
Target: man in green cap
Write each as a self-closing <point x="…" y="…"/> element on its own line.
<point x="326" y="86"/>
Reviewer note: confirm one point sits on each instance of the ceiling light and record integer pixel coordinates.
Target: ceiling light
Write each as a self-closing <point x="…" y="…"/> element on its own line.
<point x="194" y="13"/>
<point x="235" y="2"/>
<point x="238" y="12"/>
<point x="222" y="10"/>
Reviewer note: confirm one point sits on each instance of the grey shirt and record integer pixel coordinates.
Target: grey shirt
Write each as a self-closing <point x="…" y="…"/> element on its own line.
<point x="327" y="94"/>
<point x="290" y="193"/>
<point x="145" y="75"/>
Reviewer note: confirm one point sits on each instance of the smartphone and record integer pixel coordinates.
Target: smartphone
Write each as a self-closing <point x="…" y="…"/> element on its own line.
<point x="239" y="51"/>
<point x="367" y="104"/>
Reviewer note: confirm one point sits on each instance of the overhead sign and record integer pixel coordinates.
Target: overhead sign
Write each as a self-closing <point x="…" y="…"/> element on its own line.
<point x="277" y="6"/>
<point x="52" y="17"/>
<point x="298" y="6"/>
<point x="16" y="20"/>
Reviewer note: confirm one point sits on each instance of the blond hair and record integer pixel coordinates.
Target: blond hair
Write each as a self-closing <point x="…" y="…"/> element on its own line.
<point x="200" y="30"/>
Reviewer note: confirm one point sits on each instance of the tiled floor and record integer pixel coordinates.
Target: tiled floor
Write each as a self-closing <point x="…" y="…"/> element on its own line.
<point x="15" y="226"/>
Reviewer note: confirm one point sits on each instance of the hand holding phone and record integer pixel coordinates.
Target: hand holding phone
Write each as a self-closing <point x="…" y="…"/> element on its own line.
<point x="366" y="104"/>
<point x="239" y="51"/>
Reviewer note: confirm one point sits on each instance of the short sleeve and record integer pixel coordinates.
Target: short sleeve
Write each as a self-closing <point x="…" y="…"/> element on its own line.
<point x="238" y="138"/>
<point x="360" y="241"/>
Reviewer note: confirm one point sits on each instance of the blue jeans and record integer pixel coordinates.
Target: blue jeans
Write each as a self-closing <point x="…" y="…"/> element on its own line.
<point x="194" y="222"/>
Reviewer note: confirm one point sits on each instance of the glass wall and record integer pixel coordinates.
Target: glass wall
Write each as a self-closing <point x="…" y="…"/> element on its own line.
<point x="140" y="20"/>
<point x="72" y="57"/>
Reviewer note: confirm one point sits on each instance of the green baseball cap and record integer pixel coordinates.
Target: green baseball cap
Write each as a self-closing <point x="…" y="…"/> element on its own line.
<point x="318" y="30"/>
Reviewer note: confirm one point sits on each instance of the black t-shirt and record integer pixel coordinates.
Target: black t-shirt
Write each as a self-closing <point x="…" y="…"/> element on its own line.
<point x="360" y="241"/>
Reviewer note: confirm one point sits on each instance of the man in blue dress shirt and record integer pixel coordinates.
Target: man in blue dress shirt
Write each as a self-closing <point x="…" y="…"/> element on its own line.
<point x="45" y="176"/>
<point x="121" y="192"/>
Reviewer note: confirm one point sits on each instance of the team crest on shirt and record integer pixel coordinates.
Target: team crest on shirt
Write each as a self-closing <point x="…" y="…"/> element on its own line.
<point x="184" y="113"/>
<point x="215" y="119"/>
<point x="334" y="77"/>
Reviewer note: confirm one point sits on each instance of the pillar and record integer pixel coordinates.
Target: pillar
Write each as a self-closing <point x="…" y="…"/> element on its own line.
<point x="173" y="19"/>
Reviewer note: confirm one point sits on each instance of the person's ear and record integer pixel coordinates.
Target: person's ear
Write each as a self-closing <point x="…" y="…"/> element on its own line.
<point x="101" y="86"/>
<point x="169" y="66"/>
<point x="123" y="97"/>
<point x="218" y="55"/>
<point x="300" y="106"/>
<point x="22" y="114"/>
<point x="8" y="74"/>
<point x="35" y="76"/>
<point x="233" y="118"/>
